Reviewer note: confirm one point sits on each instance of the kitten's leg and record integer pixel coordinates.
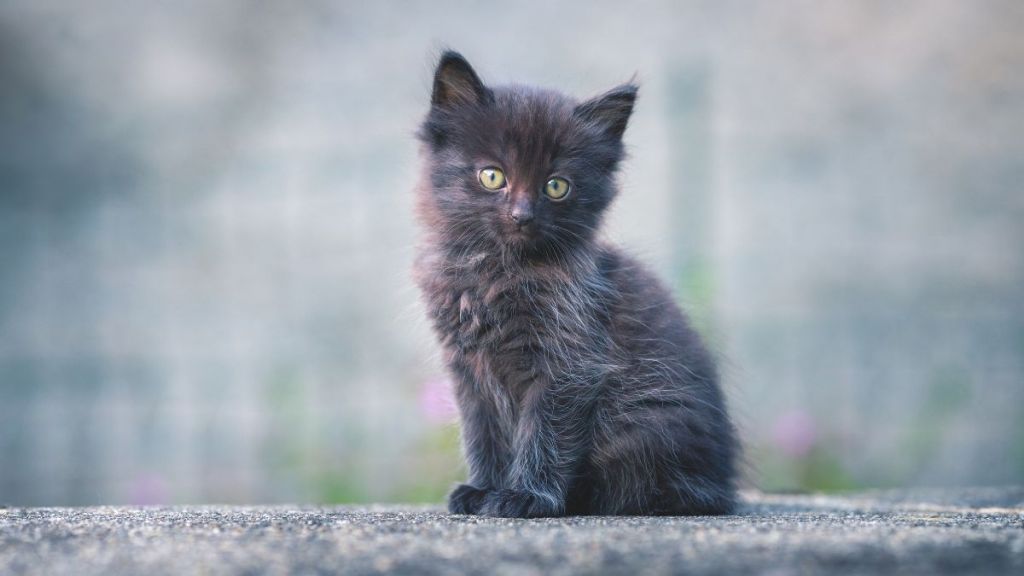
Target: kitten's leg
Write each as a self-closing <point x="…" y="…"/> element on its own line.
<point x="486" y="446"/>
<point x="656" y="466"/>
<point x="551" y="440"/>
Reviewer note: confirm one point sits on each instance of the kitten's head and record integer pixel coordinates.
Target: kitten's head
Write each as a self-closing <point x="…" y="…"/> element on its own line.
<point x="518" y="169"/>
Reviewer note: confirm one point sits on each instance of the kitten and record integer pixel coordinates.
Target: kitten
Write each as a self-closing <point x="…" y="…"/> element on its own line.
<point x="581" y="387"/>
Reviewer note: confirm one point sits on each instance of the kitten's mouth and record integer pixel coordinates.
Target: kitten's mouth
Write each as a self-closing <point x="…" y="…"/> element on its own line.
<point x="521" y="237"/>
<point x="524" y="232"/>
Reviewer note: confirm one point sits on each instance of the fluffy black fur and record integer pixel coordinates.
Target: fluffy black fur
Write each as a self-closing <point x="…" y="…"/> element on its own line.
<point x="582" y="388"/>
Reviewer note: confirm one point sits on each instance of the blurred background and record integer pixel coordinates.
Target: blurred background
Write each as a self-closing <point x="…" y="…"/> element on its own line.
<point x="206" y="234"/>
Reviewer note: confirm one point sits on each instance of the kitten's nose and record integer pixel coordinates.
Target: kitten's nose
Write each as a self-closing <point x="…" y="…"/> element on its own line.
<point x="522" y="213"/>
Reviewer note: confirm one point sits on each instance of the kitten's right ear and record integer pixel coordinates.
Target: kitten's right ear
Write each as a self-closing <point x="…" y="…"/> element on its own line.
<point x="456" y="84"/>
<point x="610" y="111"/>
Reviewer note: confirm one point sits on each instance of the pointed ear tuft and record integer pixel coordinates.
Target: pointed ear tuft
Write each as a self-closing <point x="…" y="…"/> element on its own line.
<point x="611" y="110"/>
<point x="456" y="84"/>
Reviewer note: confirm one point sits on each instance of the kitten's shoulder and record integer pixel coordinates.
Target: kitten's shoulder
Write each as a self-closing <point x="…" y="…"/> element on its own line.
<point x="637" y="285"/>
<point x="618" y="264"/>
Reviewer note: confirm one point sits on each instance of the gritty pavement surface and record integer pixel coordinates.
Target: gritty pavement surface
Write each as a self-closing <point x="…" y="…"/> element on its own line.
<point x="921" y="532"/>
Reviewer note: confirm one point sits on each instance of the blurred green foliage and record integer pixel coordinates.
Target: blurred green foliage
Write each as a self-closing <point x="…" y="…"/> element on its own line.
<point x="948" y="394"/>
<point x="696" y="293"/>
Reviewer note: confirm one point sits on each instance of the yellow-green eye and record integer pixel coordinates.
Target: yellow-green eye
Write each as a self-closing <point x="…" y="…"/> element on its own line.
<point x="557" y="188"/>
<point x="492" y="178"/>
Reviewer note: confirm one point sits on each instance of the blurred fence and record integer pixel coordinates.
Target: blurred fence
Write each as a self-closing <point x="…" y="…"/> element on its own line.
<point x="206" y="231"/>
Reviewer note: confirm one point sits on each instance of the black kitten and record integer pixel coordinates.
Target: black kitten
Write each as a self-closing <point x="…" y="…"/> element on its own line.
<point x="582" y="388"/>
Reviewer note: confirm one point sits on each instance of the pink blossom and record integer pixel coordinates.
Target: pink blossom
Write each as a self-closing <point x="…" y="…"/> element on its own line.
<point x="437" y="404"/>
<point x="795" y="433"/>
<point x="148" y="489"/>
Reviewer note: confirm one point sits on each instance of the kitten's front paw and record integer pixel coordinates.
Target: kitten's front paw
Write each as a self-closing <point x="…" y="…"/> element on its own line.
<point x="519" y="504"/>
<point x="466" y="499"/>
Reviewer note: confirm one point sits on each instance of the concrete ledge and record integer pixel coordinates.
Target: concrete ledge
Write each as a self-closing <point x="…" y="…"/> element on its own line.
<point x="919" y="532"/>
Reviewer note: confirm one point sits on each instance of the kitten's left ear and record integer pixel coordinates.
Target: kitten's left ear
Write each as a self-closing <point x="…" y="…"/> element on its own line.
<point x="611" y="110"/>
<point x="456" y="83"/>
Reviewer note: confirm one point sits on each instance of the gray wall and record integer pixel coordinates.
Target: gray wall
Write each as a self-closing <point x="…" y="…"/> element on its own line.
<point x="206" y="231"/>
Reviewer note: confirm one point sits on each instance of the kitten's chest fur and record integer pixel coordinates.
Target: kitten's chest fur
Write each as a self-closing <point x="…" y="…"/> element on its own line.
<point x="507" y="324"/>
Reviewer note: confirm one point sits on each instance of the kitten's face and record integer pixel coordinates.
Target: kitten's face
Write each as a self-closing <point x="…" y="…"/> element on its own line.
<point x="519" y="169"/>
